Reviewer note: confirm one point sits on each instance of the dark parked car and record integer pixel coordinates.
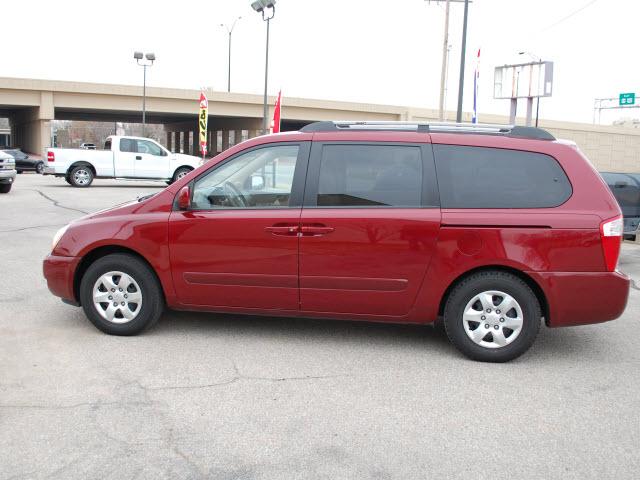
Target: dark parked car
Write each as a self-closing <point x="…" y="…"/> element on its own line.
<point x="626" y="189"/>
<point x="492" y="228"/>
<point x="24" y="163"/>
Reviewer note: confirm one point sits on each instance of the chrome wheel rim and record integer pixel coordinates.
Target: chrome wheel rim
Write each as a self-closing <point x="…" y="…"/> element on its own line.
<point x="81" y="176"/>
<point x="182" y="174"/>
<point x="492" y="319"/>
<point x="39" y="168"/>
<point x="117" y="297"/>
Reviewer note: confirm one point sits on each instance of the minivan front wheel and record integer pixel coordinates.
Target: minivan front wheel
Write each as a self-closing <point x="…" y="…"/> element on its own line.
<point x="121" y="295"/>
<point x="492" y="316"/>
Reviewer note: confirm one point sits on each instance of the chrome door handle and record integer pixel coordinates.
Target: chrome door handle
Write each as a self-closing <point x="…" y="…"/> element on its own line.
<point x="288" y="230"/>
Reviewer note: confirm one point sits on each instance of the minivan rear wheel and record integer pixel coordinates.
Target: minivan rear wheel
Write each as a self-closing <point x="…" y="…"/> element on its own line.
<point x="121" y="295"/>
<point x="492" y="316"/>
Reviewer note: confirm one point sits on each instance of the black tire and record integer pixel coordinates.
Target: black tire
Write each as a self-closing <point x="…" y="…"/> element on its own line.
<point x="5" y="187"/>
<point x="152" y="303"/>
<point x="180" y="172"/>
<point x="80" y="176"/>
<point x="464" y="293"/>
<point x="39" y="168"/>
<point x="67" y="179"/>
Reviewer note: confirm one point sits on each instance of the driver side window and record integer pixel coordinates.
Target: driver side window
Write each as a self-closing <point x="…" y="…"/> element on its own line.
<point x="261" y="178"/>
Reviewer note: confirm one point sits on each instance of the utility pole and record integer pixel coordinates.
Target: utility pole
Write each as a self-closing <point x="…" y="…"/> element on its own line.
<point x="445" y="52"/>
<point x="445" y="56"/>
<point x="463" y="53"/>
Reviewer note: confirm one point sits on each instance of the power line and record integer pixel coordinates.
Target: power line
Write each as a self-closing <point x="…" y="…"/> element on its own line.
<point x="575" y="12"/>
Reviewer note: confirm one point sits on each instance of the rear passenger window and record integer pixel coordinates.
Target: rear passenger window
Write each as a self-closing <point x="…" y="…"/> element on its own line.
<point x="481" y="177"/>
<point x="128" y="145"/>
<point x="370" y="175"/>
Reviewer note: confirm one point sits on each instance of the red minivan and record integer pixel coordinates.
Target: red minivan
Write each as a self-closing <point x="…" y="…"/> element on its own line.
<point x="491" y="228"/>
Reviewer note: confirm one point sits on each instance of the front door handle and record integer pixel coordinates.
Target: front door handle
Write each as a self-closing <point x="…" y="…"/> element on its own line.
<point x="288" y="230"/>
<point x="138" y="157"/>
<point x="315" y="230"/>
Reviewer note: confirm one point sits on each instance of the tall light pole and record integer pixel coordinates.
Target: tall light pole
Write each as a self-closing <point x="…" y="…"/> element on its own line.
<point x="463" y="54"/>
<point x="261" y="6"/>
<point x="539" y="60"/>
<point x="150" y="59"/>
<point x="229" y="32"/>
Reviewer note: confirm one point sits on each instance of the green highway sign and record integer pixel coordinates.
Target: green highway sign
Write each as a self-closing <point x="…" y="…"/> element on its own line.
<point x="627" y="99"/>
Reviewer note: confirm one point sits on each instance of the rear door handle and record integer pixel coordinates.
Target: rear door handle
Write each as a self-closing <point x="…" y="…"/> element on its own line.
<point x="138" y="157"/>
<point x="315" y="230"/>
<point x="287" y="230"/>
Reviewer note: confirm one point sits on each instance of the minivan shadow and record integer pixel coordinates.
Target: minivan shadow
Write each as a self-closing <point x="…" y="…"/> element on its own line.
<point x="552" y="345"/>
<point x="291" y="328"/>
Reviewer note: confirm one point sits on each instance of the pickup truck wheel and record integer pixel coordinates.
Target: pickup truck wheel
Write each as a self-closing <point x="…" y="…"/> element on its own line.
<point x="181" y="172"/>
<point x="81" y="176"/>
<point x="492" y="316"/>
<point x="121" y="295"/>
<point x="5" y="187"/>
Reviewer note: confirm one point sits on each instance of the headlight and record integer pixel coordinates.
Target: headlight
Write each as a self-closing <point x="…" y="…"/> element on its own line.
<point x="58" y="236"/>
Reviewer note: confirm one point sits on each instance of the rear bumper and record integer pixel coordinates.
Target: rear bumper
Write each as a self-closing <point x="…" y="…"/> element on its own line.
<point x="48" y="170"/>
<point x="59" y="272"/>
<point x="577" y="298"/>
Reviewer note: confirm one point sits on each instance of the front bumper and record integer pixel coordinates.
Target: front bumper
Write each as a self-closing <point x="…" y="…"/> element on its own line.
<point x="7" y="176"/>
<point x="59" y="273"/>
<point x="581" y="298"/>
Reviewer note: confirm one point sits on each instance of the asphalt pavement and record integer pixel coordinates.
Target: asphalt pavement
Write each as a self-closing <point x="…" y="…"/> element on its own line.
<point x="232" y="397"/>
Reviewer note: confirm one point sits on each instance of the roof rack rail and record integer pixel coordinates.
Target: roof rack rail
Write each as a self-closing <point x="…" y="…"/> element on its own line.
<point x="435" y="127"/>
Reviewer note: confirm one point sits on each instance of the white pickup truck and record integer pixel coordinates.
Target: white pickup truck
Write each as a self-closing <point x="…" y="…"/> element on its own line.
<point x="122" y="157"/>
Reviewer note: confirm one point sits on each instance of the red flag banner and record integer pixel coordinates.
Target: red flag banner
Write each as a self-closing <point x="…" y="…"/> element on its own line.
<point x="275" y="123"/>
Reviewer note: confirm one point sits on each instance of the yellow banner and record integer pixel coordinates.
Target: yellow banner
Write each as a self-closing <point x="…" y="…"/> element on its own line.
<point x="202" y="122"/>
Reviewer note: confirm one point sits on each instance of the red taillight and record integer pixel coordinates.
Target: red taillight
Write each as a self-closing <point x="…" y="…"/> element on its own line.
<point x="51" y="157"/>
<point x="611" y="235"/>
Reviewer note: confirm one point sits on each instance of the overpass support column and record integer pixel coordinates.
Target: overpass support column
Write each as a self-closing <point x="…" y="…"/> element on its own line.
<point x="32" y="127"/>
<point x="237" y="136"/>
<point x="225" y="139"/>
<point x="196" y="144"/>
<point x="185" y="142"/>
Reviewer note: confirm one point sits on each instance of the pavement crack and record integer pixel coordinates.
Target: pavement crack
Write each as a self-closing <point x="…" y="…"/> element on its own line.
<point x="68" y="407"/>
<point x="238" y="377"/>
<point x="57" y="203"/>
<point x="31" y="227"/>
<point x="634" y="285"/>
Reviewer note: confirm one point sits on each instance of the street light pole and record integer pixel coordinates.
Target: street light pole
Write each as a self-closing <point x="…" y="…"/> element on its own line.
<point x="229" y="32"/>
<point x="463" y="53"/>
<point x="265" y="113"/>
<point x="261" y="6"/>
<point x="150" y="59"/>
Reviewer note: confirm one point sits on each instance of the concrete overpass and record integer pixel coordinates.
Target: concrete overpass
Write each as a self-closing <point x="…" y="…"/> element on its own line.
<point x="32" y="104"/>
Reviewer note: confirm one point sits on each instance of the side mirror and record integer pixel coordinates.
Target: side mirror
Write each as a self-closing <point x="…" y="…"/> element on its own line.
<point x="257" y="182"/>
<point x="184" y="198"/>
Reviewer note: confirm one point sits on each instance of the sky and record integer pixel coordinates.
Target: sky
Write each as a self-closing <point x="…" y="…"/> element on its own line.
<point x="373" y="51"/>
